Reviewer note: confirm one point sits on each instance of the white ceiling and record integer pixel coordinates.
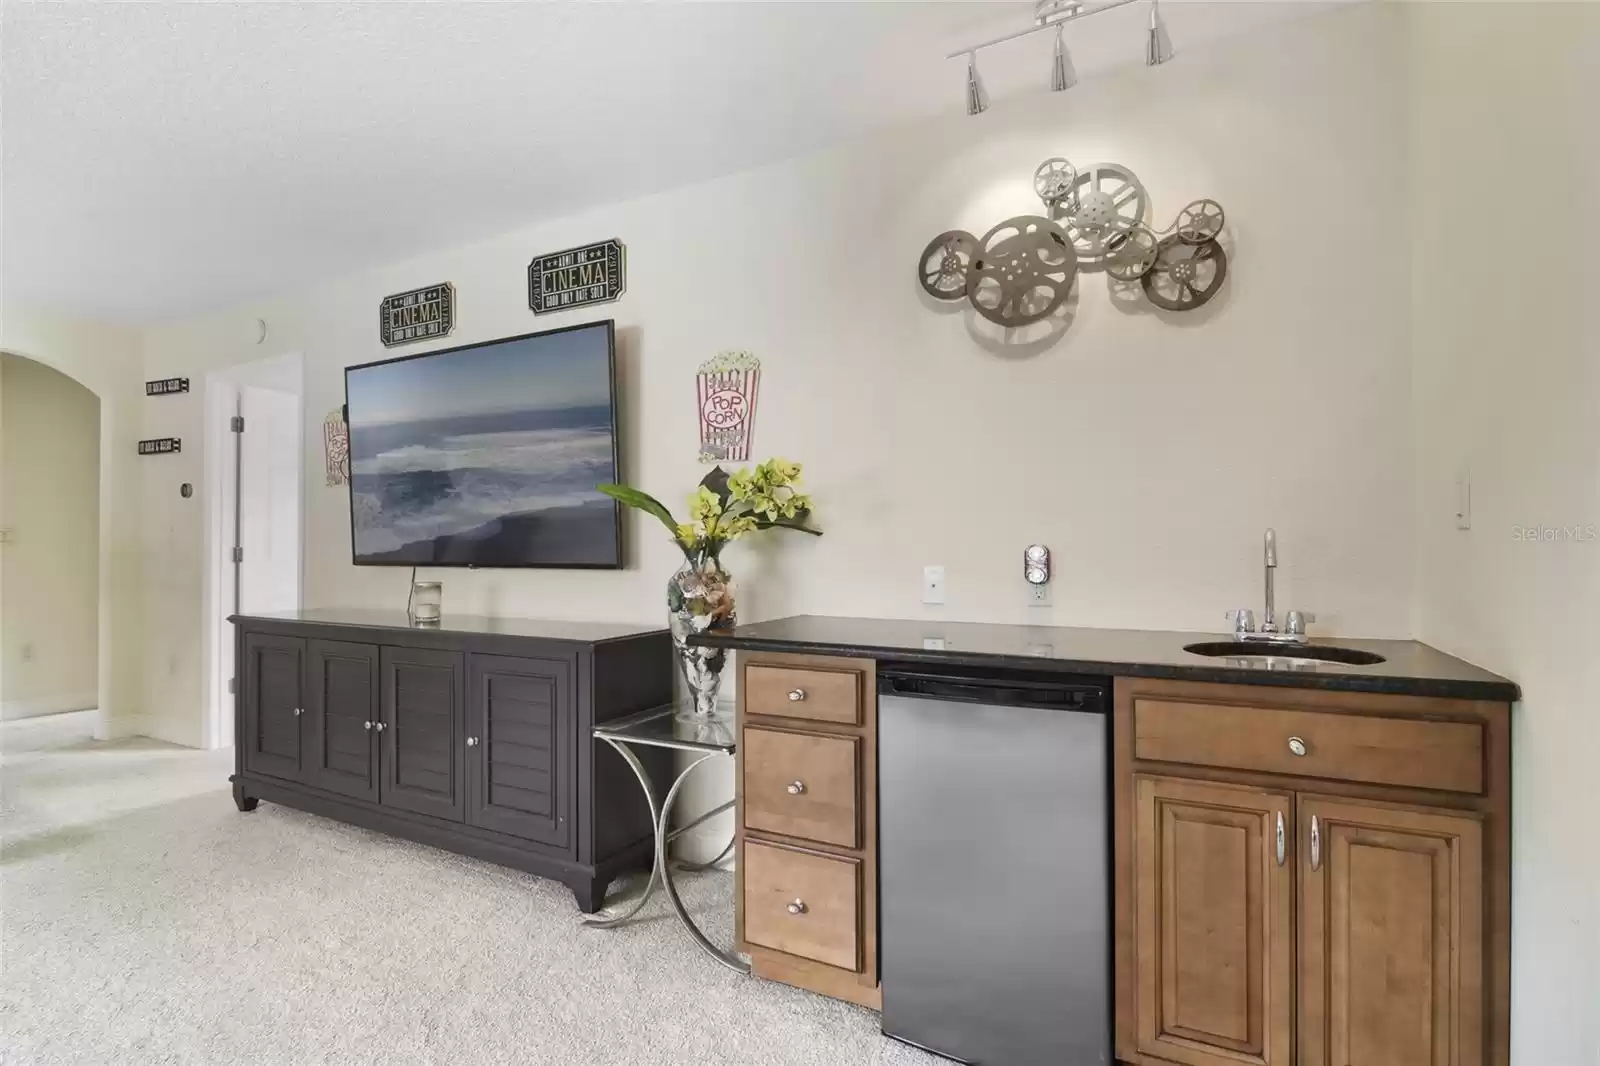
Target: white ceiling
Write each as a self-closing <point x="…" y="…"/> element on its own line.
<point x="165" y="158"/>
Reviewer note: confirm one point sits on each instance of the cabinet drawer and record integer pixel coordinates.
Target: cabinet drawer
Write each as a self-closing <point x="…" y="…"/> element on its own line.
<point x="803" y="904"/>
<point x="802" y="785"/>
<point x="1411" y="753"/>
<point x="802" y="692"/>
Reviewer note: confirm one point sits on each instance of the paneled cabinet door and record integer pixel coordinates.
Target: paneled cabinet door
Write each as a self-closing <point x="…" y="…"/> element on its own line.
<point x="273" y="677"/>
<point x="1213" y="885"/>
<point x="420" y="739"/>
<point x="342" y="706"/>
<point x="521" y="745"/>
<point x="1391" y="935"/>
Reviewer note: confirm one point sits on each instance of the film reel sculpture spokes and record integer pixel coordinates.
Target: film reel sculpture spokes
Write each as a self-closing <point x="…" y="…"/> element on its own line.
<point x="1022" y="271"/>
<point x="942" y="270"/>
<point x="1053" y="181"/>
<point x="1200" y="221"/>
<point x="1185" y="275"/>
<point x="1106" y="200"/>
<point x="1133" y="253"/>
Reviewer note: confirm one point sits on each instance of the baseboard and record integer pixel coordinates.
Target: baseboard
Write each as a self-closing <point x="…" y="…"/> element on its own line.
<point x="14" y="709"/>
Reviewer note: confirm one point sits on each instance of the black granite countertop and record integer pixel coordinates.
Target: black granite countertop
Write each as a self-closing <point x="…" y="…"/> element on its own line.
<point x="544" y="629"/>
<point x="1410" y="668"/>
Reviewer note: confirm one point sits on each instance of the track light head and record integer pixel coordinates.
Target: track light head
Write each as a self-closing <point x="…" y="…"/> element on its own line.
<point x="977" y="99"/>
<point x="1062" y="74"/>
<point x="1158" y="49"/>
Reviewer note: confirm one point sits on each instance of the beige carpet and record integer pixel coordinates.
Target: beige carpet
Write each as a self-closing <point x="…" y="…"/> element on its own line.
<point x="144" y="920"/>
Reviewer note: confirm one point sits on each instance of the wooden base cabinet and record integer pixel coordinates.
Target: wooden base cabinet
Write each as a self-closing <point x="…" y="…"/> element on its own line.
<point x="1284" y="919"/>
<point x="806" y="892"/>
<point x="472" y="739"/>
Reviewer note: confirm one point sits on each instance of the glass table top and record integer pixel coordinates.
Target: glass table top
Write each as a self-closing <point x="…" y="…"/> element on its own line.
<point x="671" y="727"/>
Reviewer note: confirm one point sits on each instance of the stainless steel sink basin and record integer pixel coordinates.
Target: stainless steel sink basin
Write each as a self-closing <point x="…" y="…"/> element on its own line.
<point x="1252" y="649"/>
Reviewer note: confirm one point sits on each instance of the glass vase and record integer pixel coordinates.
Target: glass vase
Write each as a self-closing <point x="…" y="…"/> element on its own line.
<point x="699" y="599"/>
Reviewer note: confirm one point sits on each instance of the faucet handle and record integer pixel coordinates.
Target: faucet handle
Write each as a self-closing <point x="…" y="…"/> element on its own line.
<point x="1294" y="623"/>
<point x="1243" y="619"/>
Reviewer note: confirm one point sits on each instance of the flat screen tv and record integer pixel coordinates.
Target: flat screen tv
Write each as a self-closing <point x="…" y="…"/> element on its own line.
<point x="488" y="454"/>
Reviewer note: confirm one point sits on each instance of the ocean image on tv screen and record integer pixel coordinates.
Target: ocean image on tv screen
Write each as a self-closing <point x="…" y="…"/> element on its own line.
<point x="487" y="456"/>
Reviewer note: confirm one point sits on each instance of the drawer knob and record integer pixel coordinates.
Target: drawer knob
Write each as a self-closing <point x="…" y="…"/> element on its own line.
<point x="797" y="788"/>
<point x="298" y="711"/>
<point x="1297" y="746"/>
<point x="472" y="742"/>
<point x="796" y="695"/>
<point x="379" y="726"/>
<point x="367" y="726"/>
<point x="797" y="907"/>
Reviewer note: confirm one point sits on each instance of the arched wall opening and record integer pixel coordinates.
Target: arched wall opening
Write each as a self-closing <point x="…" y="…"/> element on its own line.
<point x="37" y="625"/>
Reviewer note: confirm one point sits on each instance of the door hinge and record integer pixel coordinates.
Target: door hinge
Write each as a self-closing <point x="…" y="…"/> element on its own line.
<point x="233" y="685"/>
<point x="238" y="554"/>
<point x="236" y="423"/>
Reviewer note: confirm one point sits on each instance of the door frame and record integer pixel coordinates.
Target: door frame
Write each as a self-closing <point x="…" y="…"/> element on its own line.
<point x="285" y="373"/>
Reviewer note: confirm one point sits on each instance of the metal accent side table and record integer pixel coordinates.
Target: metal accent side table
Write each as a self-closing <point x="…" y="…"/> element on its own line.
<point x="660" y="727"/>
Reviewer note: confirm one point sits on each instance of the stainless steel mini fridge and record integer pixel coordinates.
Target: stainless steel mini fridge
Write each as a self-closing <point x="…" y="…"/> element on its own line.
<point x="994" y="853"/>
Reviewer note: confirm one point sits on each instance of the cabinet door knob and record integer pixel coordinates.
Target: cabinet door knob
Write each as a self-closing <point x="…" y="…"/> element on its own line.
<point x="797" y="907"/>
<point x="367" y="726"/>
<point x="796" y="695"/>
<point x="1316" y="845"/>
<point x="298" y="711"/>
<point x="472" y="742"/>
<point x="379" y="726"/>
<point x="797" y="788"/>
<point x="1297" y="746"/>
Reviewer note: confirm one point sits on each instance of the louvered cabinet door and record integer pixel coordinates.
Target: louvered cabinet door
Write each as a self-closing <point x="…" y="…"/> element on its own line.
<point x="342" y="705"/>
<point x="520" y="747"/>
<point x="421" y="738"/>
<point x="273" y="679"/>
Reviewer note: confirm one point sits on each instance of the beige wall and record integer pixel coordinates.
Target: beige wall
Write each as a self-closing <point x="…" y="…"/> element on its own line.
<point x="105" y="359"/>
<point x="1148" y="454"/>
<point x="50" y="506"/>
<point x="1507" y="359"/>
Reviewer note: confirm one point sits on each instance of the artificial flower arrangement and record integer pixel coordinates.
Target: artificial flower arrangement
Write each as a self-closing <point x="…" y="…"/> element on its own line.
<point x="722" y="509"/>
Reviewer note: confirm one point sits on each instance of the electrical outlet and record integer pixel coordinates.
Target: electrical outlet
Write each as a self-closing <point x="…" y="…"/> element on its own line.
<point x="933" y="584"/>
<point x="1038" y="595"/>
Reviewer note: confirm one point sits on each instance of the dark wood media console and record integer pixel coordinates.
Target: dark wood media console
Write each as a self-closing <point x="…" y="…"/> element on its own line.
<point x="475" y="736"/>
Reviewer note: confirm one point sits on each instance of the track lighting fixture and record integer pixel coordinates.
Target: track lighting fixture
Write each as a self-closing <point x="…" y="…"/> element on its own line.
<point x="1159" y="48"/>
<point x="977" y="99"/>
<point x="1057" y="13"/>
<point x="1062" y="76"/>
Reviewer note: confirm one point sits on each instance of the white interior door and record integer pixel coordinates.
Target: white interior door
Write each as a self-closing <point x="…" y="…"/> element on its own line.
<point x="269" y="501"/>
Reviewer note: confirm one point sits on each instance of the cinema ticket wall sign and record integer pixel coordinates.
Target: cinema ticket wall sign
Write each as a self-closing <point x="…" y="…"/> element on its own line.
<point x="577" y="277"/>
<point x="419" y="315"/>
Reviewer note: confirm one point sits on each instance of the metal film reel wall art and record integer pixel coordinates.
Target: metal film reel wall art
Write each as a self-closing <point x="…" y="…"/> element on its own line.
<point x="1095" y="218"/>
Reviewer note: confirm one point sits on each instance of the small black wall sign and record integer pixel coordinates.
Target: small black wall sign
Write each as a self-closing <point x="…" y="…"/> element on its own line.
<point x="418" y="315"/>
<point x="160" y="446"/>
<point x="166" y="387"/>
<point x="591" y="274"/>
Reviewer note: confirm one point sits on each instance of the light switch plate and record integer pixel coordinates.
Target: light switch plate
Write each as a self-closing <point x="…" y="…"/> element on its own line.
<point x="933" y="584"/>
<point x="1464" y="498"/>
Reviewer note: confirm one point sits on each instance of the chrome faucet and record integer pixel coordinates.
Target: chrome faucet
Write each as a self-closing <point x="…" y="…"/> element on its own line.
<point x="1294" y="623"/>
<point x="1269" y="621"/>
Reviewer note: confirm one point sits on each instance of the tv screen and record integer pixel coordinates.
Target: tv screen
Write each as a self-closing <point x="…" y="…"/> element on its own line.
<point x="487" y="455"/>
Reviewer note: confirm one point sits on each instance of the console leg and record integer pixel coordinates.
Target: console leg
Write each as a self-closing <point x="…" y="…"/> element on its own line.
<point x="241" y="801"/>
<point x="590" y="893"/>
